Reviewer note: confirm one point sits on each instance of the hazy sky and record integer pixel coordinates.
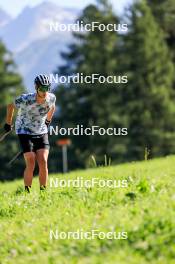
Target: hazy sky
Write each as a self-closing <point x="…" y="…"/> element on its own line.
<point x="13" y="7"/>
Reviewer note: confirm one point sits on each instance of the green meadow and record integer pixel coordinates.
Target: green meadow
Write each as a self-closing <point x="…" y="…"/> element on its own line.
<point x="144" y="209"/>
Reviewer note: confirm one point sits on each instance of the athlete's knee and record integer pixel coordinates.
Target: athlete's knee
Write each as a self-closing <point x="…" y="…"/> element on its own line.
<point x="42" y="161"/>
<point x="42" y="157"/>
<point x="30" y="160"/>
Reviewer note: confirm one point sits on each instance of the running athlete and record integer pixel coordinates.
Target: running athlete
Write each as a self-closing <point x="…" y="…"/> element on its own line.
<point x="35" y="112"/>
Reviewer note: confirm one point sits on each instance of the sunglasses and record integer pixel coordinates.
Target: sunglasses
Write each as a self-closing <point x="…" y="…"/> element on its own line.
<point x="44" y="88"/>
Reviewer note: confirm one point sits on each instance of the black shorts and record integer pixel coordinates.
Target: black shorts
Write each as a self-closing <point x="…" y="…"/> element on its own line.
<point x="32" y="143"/>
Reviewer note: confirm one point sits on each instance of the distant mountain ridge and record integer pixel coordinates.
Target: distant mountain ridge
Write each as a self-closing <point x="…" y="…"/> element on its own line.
<point x="36" y="49"/>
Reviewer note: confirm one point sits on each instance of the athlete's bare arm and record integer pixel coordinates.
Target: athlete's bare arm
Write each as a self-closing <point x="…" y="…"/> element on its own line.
<point x="50" y="113"/>
<point x="10" y="112"/>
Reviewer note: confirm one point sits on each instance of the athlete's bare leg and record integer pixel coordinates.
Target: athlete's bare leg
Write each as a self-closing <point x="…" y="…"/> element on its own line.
<point x="42" y="157"/>
<point x="30" y="166"/>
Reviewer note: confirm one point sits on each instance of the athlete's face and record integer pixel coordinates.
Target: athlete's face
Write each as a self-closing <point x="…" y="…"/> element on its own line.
<point x="42" y="93"/>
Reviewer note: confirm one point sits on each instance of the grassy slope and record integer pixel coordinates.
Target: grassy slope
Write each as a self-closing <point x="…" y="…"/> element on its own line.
<point x="148" y="216"/>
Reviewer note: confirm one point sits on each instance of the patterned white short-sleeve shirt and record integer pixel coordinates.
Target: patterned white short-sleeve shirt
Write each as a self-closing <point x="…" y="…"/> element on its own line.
<point x="31" y="115"/>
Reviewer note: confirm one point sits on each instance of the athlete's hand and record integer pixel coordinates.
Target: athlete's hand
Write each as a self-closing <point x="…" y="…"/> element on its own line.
<point x="7" y="127"/>
<point x="47" y="122"/>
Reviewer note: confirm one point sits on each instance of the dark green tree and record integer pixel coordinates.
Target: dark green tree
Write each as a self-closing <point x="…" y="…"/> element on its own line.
<point x="10" y="87"/>
<point x="163" y="12"/>
<point x="93" y="104"/>
<point x="149" y="97"/>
